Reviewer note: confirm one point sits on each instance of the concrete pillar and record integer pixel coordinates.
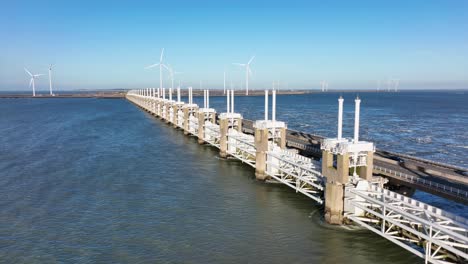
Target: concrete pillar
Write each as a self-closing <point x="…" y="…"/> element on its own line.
<point x="261" y="146"/>
<point x="282" y="139"/>
<point x="159" y="109"/>
<point x="168" y="108"/>
<point x="166" y="111"/>
<point x="201" y="127"/>
<point x="223" y="130"/>
<point x="239" y="125"/>
<point x="366" y="172"/>
<point x="186" y="121"/>
<point x="175" y="119"/>
<point x="334" y="189"/>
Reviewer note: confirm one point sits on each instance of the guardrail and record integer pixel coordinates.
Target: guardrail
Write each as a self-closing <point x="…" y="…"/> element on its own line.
<point x="248" y="123"/>
<point x="431" y="162"/>
<point x="434" y="185"/>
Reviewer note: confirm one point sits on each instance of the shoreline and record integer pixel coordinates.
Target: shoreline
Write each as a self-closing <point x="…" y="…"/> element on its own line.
<point x="122" y="93"/>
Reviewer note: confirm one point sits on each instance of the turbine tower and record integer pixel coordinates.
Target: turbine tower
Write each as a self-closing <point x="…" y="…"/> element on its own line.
<point x="247" y="73"/>
<point x="172" y="73"/>
<point x="161" y="65"/>
<point x="33" y="77"/>
<point x="50" y="79"/>
<point x="396" y="84"/>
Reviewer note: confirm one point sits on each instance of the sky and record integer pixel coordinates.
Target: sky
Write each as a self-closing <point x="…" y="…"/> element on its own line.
<point x="349" y="44"/>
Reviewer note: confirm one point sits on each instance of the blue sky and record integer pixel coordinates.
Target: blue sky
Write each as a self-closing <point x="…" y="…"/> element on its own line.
<point x="350" y="44"/>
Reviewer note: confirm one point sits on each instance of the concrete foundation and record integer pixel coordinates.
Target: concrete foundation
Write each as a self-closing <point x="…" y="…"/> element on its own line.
<point x="282" y="140"/>
<point x="223" y="130"/>
<point x="175" y="120"/>
<point x="186" y="121"/>
<point x="201" y="128"/>
<point x="337" y="176"/>
<point x="261" y="145"/>
<point x="366" y="172"/>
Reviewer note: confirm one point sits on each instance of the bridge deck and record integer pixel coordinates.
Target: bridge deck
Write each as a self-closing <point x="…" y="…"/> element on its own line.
<point x="439" y="179"/>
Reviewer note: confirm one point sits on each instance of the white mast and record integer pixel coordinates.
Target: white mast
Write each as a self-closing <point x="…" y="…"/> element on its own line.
<point x="266" y="105"/>
<point x="340" y="117"/>
<point x="356" y="120"/>
<point x="50" y="79"/>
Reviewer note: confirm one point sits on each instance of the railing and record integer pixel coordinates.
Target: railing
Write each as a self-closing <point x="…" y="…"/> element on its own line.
<point x="303" y="146"/>
<point x="171" y="113"/>
<point x="242" y="146"/>
<point x="424" y="230"/>
<point x="193" y="125"/>
<point x="435" y="163"/>
<point x="180" y="118"/>
<point x="212" y="134"/>
<point x="417" y="180"/>
<point x="297" y="172"/>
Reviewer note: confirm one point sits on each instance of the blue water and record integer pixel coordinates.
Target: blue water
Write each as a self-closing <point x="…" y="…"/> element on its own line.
<point x="100" y="181"/>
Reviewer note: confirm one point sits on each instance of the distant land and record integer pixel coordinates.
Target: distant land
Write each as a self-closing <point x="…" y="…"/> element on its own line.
<point x="120" y="93"/>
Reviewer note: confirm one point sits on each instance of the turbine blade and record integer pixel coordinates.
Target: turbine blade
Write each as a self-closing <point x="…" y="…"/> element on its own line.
<point x="151" y="66"/>
<point x="162" y="53"/>
<point x="37" y="75"/>
<point x="251" y="59"/>
<point x="28" y="72"/>
<point x="239" y="64"/>
<point x="250" y="72"/>
<point x="167" y="68"/>
<point x="30" y="82"/>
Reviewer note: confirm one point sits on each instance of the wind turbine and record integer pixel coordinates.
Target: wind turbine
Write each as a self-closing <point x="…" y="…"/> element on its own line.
<point x="247" y="73"/>
<point x="171" y="73"/>
<point x="324" y="85"/>
<point x="396" y="83"/>
<point x="33" y="77"/>
<point x="161" y="65"/>
<point x="50" y="79"/>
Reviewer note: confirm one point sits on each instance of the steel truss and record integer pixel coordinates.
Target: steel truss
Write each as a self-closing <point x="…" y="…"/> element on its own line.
<point x="297" y="172"/>
<point x="163" y="112"/>
<point x="193" y="125"/>
<point x="180" y="118"/>
<point x="426" y="231"/>
<point x="212" y="134"/>
<point x="242" y="146"/>
<point x="171" y="113"/>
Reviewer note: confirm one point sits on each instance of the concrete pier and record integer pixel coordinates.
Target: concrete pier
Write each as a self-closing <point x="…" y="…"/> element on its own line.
<point x="261" y="146"/>
<point x="201" y="127"/>
<point x="223" y="130"/>
<point x="228" y="121"/>
<point x="340" y="157"/>
<point x="177" y="107"/>
<point x="336" y="177"/>
<point x="186" y="120"/>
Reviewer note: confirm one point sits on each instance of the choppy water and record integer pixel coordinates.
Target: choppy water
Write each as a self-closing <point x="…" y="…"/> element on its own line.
<point x="100" y="181"/>
<point x="431" y="125"/>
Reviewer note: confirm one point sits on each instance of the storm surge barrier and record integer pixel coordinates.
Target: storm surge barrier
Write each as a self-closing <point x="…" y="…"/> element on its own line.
<point x="343" y="181"/>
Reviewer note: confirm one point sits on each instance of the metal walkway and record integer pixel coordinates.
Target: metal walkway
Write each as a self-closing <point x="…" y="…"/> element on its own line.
<point x="426" y="231"/>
